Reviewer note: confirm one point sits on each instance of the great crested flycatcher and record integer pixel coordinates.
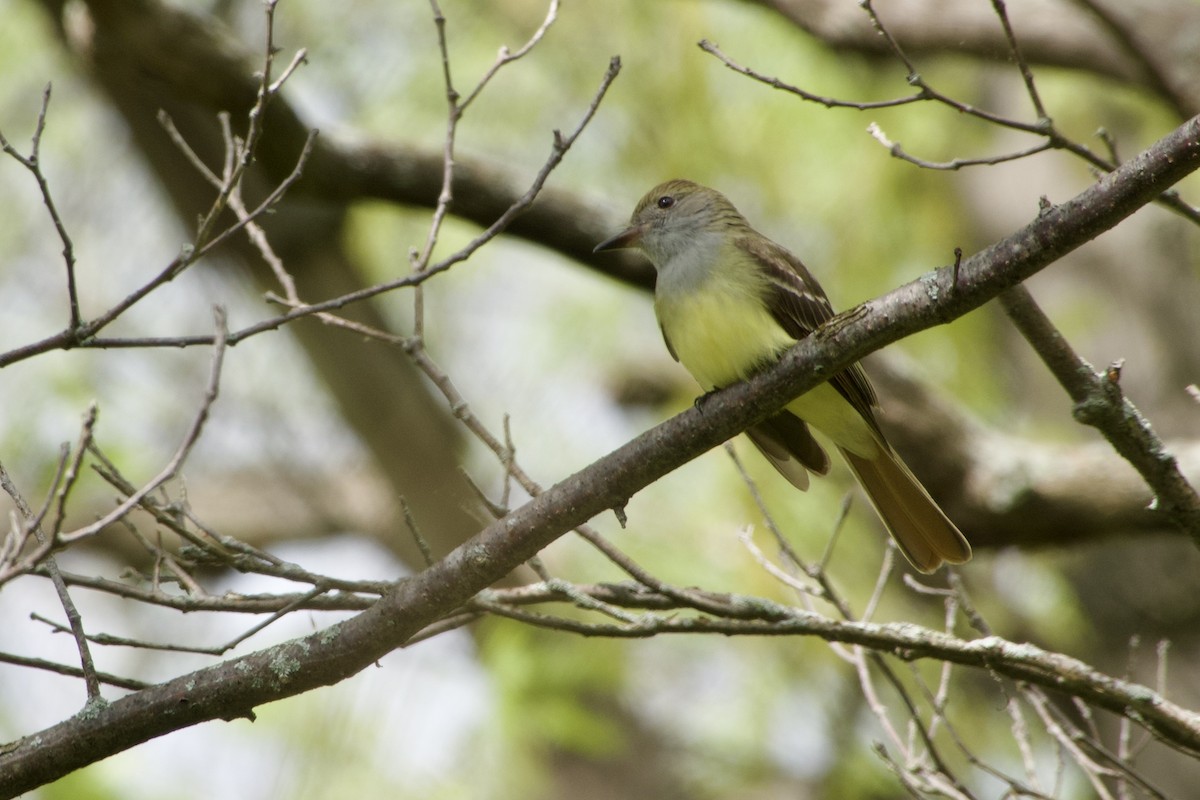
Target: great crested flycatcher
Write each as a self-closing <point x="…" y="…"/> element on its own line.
<point x="729" y="302"/>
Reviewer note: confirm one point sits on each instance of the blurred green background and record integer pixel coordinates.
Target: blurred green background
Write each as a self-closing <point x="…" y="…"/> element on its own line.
<point x="575" y="360"/>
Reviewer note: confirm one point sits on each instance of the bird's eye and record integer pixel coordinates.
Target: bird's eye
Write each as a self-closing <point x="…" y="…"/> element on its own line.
<point x="666" y="201"/>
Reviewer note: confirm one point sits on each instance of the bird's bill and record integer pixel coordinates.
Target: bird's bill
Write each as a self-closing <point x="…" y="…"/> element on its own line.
<point x="626" y="238"/>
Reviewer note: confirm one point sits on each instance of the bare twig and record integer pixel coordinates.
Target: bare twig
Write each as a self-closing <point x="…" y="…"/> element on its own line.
<point x="212" y="548"/>
<point x="190" y="437"/>
<point x="11" y="564"/>
<point x="1043" y="127"/>
<point x="73" y="672"/>
<point x="122" y="641"/>
<point x="81" y="336"/>
<point x="33" y="164"/>
<point x="505" y="57"/>
<point x="1026" y="73"/>
<point x="455" y="110"/>
<point x="898" y="151"/>
<point x="1024" y="662"/>
<point x="561" y="144"/>
<point x="415" y="531"/>
<point x="88" y="667"/>
<point x="237" y="604"/>
<point x="73" y="469"/>
<point x="238" y="158"/>
<point x="828" y="102"/>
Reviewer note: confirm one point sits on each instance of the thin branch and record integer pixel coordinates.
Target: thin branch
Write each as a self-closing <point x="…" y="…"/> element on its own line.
<point x="21" y="530"/>
<point x="909" y="642"/>
<point x="212" y="548"/>
<point x="1042" y="127"/>
<point x="455" y="111"/>
<point x="410" y="522"/>
<point x="1026" y="73"/>
<point x="898" y="151"/>
<point x="73" y="672"/>
<point x="190" y="437"/>
<point x="828" y="102"/>
<point x="88" y="666"/>
<point x="164" y="559"/>
<point x="72" y="473"/>
<point x="239" y="156"/>
<point x="505" y="57"/>
<point x="239" y="604"/>
<point x="122" y="641"/>
<point x="561" y="144"/>
<point x="862" y="659"/>
<point x="79" y="337"/>
<point x="33" y="164"/>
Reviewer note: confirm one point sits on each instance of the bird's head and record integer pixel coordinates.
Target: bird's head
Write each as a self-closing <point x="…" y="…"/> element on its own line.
<point x="674" y="216"/>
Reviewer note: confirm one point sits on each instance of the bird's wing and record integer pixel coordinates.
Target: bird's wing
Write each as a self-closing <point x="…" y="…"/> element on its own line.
<point x="798" y="303"/>
<point x="790" y="447"/>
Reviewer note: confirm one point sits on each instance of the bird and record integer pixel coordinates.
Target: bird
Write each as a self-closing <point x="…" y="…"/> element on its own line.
<point x="729" y="302"/>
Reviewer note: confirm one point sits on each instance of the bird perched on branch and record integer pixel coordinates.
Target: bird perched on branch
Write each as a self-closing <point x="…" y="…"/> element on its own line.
<point x="730" y="301"/>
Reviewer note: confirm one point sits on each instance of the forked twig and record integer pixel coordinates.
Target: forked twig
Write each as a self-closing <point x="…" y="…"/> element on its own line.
<point x="75" y="621"/>
<point x="190" y="437"/>
<point x="32" y="162"/>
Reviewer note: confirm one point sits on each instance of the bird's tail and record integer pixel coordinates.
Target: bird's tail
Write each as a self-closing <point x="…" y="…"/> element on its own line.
<point x="924" y="533"/>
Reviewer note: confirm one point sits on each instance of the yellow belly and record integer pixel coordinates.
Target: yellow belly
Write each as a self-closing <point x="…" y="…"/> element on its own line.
<point x="721" y="335"/>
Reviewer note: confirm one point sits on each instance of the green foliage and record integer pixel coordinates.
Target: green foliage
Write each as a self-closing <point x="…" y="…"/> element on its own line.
<point x="550" y="685"/>
<point x="80" y="786"/>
